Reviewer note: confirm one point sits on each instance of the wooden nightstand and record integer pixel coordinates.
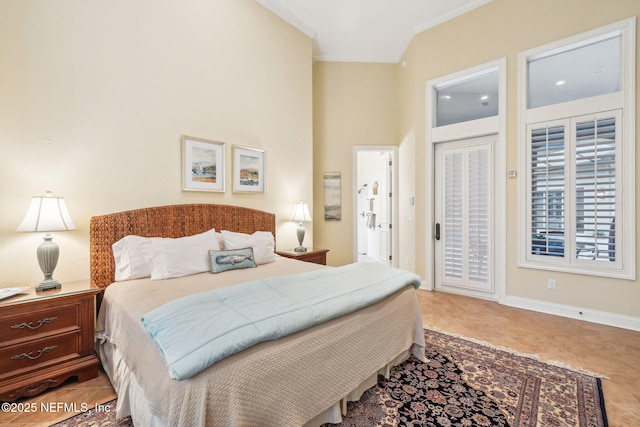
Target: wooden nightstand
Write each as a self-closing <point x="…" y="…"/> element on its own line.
<point x="45" y="338"/>
<point x="315" y="255"/>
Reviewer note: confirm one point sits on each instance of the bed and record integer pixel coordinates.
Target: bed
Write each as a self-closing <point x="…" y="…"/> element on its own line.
<point x="304" y="378"/>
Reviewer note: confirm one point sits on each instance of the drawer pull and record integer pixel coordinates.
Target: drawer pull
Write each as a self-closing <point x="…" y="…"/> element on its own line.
<point x="29" y="355"/>
<point x="29" y="325"/>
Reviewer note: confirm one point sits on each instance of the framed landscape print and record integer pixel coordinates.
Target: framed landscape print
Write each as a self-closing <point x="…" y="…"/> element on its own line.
<point x="332" y="196"/>
<point x="202" y="164"/>
<point x="249" y="170"/>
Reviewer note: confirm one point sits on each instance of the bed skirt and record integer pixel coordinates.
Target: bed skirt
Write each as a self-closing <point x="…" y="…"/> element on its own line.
<point x="132" y="401"/>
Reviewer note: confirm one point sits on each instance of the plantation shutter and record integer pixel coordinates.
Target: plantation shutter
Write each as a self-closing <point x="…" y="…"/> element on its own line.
<point x="547" y="190"/>
<point x="595" y="183"/>
<point x="453" y="216"/>
<point x="478" y="213"/>
<point x="574" y="196"/>
<point x="467" y="217"/>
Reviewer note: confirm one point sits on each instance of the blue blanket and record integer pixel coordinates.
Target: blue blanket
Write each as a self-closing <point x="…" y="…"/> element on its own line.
<point x="196" y="331"/>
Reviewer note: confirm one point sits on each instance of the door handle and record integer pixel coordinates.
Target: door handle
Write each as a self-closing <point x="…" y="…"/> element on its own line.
<point x="437" y="236"/>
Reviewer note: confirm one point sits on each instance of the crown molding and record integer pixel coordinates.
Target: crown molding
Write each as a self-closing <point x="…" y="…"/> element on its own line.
<point x="449" y="15"/>
<point x="288" y="17"/>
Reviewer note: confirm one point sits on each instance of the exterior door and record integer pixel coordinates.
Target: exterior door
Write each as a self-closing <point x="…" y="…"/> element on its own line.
<point x="464" y="216"/>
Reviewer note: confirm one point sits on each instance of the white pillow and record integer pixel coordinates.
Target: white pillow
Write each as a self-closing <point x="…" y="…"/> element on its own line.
<point x="130" y="263"/>
<point x="169" y="258"/>
<point x="220" y="240"/>
<point x="262" y="242"/>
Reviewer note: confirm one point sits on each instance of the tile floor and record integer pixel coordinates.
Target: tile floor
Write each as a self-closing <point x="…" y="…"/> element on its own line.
<point x="608" y="351"/>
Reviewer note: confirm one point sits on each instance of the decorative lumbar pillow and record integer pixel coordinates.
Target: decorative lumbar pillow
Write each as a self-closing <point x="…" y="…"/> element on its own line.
<point x="130" y="263"/>
<point x="262" y="242"/>
<point x="231" y="259"/>
<point x="169" y="258"/>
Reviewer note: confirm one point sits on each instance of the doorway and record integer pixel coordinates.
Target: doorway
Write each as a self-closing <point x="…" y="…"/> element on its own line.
<point x="466" y="138"/>
<point x="374" y="204"/>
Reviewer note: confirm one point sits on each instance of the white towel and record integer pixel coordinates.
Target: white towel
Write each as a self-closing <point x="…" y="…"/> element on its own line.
<point x="371" y="220"/>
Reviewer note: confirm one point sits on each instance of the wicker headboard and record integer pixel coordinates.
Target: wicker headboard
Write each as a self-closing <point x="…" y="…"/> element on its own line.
<point x="166" y="221"/>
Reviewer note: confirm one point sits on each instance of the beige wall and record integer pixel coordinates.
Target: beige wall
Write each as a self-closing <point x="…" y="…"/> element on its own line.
<point x="379" y="104"/>
<point x="499" y="29"/>
<point x="353" y="104"/>
<point x="95" y="96"/>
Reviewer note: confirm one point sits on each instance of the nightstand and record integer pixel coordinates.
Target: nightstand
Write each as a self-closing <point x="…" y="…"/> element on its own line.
<point x="46" y="338"/>
<point x="315" y="255"/>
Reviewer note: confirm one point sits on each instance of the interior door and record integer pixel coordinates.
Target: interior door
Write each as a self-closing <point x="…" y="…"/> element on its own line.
<point x="386" y="208"/>
<point x="464" y="216"/>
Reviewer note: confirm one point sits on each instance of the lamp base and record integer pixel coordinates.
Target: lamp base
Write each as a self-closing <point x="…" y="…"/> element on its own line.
<point x="300" y="233"/>
<point x="48" y="284"/>
<point x="48" y="253"/>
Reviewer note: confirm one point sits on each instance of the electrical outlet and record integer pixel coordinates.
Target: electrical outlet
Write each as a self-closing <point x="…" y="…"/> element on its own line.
<point x="552" y="284"/>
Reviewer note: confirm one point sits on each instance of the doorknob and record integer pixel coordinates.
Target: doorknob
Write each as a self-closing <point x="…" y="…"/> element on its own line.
<point x="437" y="231"/>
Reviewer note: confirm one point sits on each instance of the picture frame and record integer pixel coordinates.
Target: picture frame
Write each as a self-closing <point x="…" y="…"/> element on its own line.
<point x="203" y="164"/>
<point x="332" y="196"/>
<point x="249" y="170"/>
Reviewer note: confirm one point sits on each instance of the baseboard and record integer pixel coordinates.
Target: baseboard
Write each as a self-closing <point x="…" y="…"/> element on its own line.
<point x="425" y="286"/>
<point x="594" y="316"/>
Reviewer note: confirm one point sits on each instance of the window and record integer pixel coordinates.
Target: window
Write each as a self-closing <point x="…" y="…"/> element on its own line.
<point x="588" y="69"/>
<point x="578" y="153"/>
<point x="470" y="98"/>
<point x="575" y="150"/>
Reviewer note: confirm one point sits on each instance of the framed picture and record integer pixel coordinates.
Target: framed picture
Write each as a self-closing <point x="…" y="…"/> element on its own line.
<point x="202" y="164"/>
<point x="332" y="196"/>
<point x="249" y="171"/>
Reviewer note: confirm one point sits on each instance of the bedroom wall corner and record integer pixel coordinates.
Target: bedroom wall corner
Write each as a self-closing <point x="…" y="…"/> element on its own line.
<point x="353" y="104"/>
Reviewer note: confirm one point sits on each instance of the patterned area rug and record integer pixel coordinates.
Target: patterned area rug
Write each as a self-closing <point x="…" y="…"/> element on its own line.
<point x="463" y="384"/>
<point x="92" y="418"/>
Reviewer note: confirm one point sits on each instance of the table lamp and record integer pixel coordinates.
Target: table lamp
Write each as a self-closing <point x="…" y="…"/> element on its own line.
<point x="301" y="213"/>
<point x="47" y="214"/>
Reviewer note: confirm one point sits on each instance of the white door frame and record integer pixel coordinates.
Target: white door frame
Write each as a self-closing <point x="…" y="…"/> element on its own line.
<point x="394" y="198"/>
<point x="492" y="125"/>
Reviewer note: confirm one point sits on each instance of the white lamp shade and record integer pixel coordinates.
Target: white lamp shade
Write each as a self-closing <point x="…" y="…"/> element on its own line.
<point x="47" y="214"/>
<point x="301" y="212"/>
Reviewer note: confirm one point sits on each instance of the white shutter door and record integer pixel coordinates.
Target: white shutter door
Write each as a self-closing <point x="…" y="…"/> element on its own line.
<point x="466" y="212"/>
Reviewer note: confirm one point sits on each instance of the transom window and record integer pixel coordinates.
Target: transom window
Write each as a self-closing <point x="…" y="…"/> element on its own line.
<point x="470" y="98"/>
<point x="585" y="69"/>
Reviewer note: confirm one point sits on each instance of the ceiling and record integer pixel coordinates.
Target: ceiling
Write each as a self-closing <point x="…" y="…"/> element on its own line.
<point x="365" y="30"/>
